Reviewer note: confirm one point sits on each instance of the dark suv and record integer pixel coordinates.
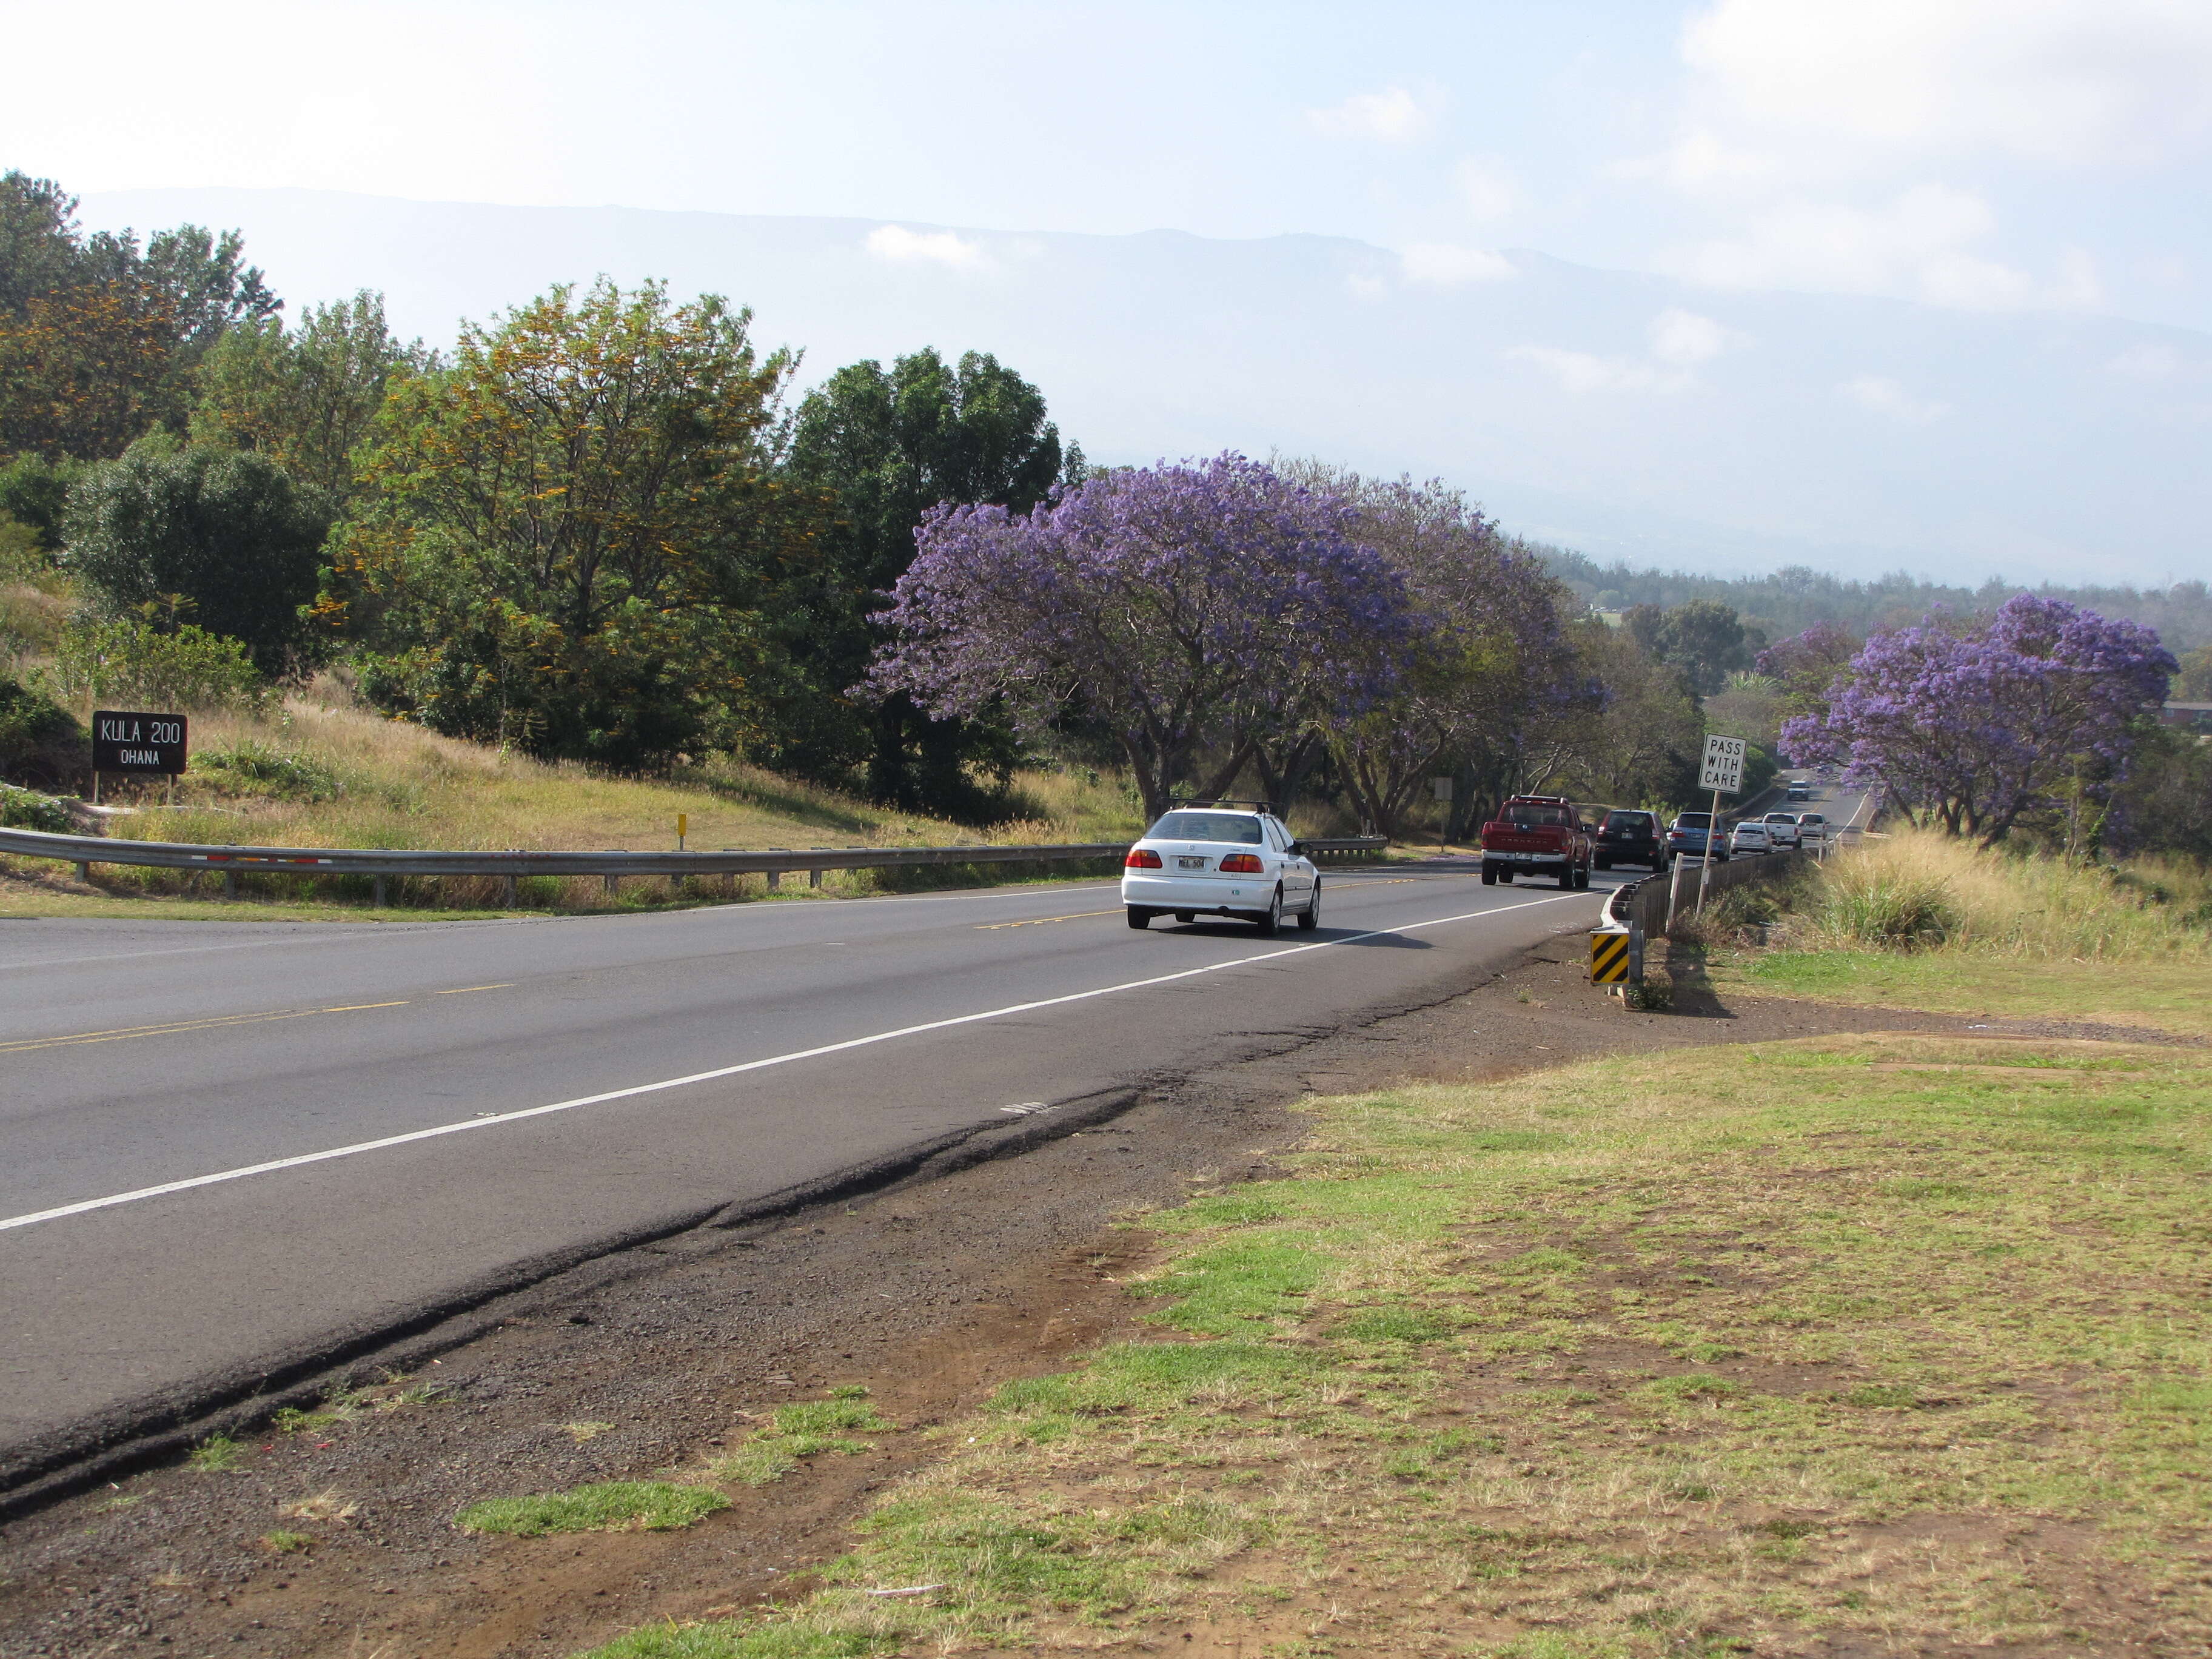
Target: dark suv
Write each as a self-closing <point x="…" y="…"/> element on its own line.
<point x="1629" y="837"/>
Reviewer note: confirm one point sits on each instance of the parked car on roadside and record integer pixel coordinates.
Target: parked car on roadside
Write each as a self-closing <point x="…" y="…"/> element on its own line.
<point x="1752" y="836"/>
<point x="1629" y="837"/>
<point x="1219" y="861"/>
<point x="1782" y="828"/>
<point x="1688" y="837"/>
<point x="1538" y="835"/>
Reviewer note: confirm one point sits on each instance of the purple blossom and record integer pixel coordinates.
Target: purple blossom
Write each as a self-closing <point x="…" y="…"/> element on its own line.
<point x="1187" y="608"/>
<point x="1977" y="727"/>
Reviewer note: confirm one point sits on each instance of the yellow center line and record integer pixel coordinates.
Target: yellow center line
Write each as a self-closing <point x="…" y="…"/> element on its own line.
<point x="459" y="989"/>
<point x="212" y="1023"/>
<point x="1039" y="922"/>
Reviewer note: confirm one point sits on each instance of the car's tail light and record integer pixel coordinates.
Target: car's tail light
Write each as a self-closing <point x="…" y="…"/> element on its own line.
<point x="1141" y="858"/>
<point x="1240" y="864"/>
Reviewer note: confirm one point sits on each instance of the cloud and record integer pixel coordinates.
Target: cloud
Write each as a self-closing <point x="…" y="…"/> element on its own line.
<point x="1879" y="395"/>
<point x="2147" y="362"/>
<point x="1702" y="164"/>
<point x="1485" y="186"/>
<point x="2073" y="82"/>
<point x="1682" y="341"/>
<point x="896" y="244"/>
<point x="1392" y="116"/>
<point x="1921" y="243"/>
<point x="1439" y="265"/>
<point x="1580" y="372"/>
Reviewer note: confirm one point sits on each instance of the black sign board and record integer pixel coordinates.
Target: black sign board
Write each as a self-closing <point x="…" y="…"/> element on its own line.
<point x="137" y="742"/>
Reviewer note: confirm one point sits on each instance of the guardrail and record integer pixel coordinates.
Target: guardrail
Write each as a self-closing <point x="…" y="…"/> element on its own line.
<point x="381" y="863"/>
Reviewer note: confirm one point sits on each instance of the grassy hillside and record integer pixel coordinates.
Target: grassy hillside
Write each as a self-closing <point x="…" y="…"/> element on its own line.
<point x="318" y="770"/>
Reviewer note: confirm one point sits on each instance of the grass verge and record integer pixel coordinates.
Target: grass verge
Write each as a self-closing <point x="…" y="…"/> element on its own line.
<point x="602" y="1506"/>
<point x="1920" y="921"/>
<point x="1868" y="1343"/>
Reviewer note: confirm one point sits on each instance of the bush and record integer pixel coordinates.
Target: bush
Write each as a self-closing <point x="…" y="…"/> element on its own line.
<point x="1892" y="909"/>
<point x="226" y="530"/>
<point x="131" y="660"/>
<point x="40" y="744"/>
<point x="25" y="809"/>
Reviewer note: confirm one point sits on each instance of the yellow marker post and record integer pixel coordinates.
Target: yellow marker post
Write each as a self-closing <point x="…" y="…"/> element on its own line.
<point x="683" y="823"/>
<point x="1609" y="956"/>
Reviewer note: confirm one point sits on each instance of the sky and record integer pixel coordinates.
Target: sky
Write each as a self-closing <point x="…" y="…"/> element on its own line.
<point x="1978" y="154"/>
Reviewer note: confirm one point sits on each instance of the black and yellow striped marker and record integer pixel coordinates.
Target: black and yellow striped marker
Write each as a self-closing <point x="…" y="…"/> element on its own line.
<point x="1610" y="956"/>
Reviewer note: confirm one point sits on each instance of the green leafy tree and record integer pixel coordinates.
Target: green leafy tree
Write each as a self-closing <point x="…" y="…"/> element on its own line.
<point x="892" y="444"/>
<point x="99" y="339"/>
<point x="223" y="539"/>
<point x="306" y="397"/>
<point x="566" y="540"/>
<point x="34" y="491"/>
<point x="1706" y="639"/>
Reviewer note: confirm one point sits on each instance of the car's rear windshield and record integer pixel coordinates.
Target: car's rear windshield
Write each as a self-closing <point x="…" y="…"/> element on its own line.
<point x="1206" y="826"/>
<point x="1694" y="821"/>
<point x="1780" y="817"/>
<point x="1627" y="820"/>
<point x="1517" y="813"/>
<point x="1812" y="817"/>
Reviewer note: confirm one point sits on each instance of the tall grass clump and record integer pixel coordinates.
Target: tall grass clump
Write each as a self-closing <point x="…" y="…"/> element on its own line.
<point x="1919" y="890"/>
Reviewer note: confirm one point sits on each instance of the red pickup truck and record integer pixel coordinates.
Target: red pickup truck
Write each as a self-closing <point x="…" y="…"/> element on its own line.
<point x="1535" y="834"/>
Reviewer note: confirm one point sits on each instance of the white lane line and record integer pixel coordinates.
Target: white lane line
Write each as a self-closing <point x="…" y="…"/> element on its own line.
<point x="498" y="1118"/>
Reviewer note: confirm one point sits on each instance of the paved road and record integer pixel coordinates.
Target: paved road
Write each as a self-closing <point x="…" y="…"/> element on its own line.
<point x="497" y="1094"/>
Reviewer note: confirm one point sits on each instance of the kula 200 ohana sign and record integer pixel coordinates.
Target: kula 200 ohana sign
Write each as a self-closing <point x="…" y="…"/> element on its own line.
<point x="140" y="744"/>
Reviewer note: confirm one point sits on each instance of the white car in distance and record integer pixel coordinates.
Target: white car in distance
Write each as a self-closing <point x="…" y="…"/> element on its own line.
<point x="1751" y="837"/>
<point x="1219" y="861"/>
<point x="1812" y="827"/>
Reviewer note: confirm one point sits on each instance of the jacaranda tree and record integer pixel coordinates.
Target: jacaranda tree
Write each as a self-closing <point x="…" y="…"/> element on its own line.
<point x="1188" y="609"/>
<point x="1977" y="726"/>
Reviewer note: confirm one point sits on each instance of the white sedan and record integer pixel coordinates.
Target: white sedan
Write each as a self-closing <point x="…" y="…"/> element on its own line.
<point x="1751" y="837"/>
<point x="1219" y="861"/>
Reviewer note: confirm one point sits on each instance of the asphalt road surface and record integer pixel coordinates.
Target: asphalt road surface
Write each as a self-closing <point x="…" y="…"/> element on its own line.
<point x="230" y="1145"/>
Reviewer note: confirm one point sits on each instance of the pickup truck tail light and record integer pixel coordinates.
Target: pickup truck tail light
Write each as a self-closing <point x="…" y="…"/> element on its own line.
<point x="1141" y="858"/>
<point x="1240" y="864"/>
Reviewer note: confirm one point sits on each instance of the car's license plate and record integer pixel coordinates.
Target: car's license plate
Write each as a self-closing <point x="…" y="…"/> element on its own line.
<point x="1190" y="864"/>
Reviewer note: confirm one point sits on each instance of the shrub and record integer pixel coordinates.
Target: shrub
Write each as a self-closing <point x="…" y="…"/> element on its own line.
<point x="1892" y="909"/>
<point x="130" y="660"/>
<point x="25" y="809"/>
<point x="40" y="744"/>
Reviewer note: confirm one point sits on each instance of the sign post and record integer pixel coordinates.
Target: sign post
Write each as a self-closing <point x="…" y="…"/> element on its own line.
<point x="1442" y="789"/>
<point x="1723" y="774"/>
<point x="138" y="745"/>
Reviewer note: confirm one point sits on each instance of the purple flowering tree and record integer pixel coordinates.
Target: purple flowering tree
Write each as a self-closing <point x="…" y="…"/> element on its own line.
<point x="1976" y="727"/>
<point x="1192" y="610"/>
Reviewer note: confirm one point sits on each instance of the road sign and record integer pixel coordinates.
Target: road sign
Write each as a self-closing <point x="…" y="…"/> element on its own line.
<point x="1609" y="956"/>
<point x="1723" y="765"/>
<point x="1440" y="788"/>
<point x="143" y="743"/>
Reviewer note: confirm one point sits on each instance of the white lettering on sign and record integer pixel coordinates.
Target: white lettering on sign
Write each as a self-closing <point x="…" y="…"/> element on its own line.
<point x="1723" y="767"/>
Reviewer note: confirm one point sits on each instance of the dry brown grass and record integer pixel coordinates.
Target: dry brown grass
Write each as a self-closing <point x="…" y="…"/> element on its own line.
<point x="319" y="770"/>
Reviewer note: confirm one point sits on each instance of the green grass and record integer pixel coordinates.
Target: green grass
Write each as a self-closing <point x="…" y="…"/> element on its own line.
<point x="602" y="1506"/>
<point x="286" y="1543"/>
<point x="217" y="1455"/>
<point x="2163" y="993"/>
<point x="1880" y="1341"/>
<point x="804" y="1429"/>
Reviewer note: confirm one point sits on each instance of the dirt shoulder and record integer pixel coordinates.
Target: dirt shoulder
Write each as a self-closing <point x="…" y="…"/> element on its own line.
<point x="337" y="1537"/>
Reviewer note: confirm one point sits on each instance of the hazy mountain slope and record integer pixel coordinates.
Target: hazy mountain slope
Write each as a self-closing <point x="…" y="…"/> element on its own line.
<point x="1624" y="413"/>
